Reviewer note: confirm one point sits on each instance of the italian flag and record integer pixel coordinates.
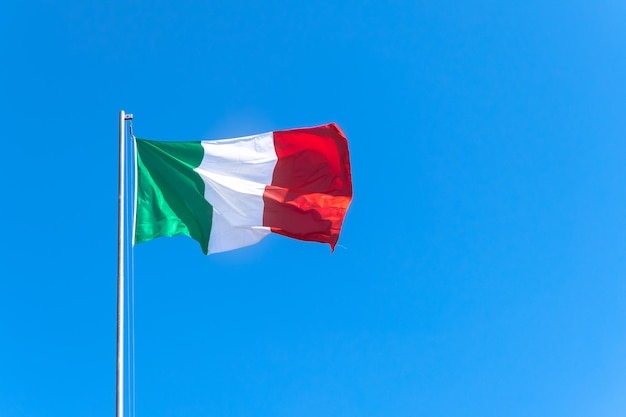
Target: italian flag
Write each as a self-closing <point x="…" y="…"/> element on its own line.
<point x="231" y="193"/>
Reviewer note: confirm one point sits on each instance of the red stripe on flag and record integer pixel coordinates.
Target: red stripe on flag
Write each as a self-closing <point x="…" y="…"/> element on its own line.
<point x="311" y="186"/>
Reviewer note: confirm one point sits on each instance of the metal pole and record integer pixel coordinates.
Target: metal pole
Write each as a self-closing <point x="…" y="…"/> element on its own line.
<point x="120" y="270"/>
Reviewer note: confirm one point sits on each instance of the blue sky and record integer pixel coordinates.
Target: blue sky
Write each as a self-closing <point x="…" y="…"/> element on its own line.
<point x="480" y="271"/>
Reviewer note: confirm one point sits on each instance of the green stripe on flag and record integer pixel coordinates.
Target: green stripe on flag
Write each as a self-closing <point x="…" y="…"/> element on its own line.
<point x="170" y="194"/>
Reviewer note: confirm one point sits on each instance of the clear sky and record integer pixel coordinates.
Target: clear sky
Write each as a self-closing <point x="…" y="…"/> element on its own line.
<point x="481" y="270"/>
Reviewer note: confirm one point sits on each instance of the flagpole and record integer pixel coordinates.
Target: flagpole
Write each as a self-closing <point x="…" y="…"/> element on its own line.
<point x="120" y="264"/>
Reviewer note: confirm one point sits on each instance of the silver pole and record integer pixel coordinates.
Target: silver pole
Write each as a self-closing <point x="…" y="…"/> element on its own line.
<point x="120" y="270"/>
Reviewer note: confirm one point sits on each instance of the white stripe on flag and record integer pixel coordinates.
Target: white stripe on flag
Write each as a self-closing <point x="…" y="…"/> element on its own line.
<point x="235" y="173"/>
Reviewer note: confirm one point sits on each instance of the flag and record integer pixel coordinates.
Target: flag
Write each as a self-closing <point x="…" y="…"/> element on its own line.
<point x="231" y="193"/>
